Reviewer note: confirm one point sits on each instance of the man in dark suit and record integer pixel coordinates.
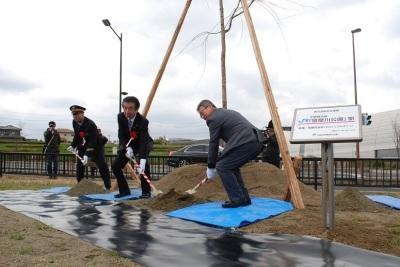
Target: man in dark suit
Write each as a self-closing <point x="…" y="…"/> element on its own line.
<point x="88" y="146"/>
<point x="243" y="142"/>
<point x="134" y="140"/>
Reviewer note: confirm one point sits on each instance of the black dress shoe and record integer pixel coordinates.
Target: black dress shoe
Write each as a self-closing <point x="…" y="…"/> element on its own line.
<point x="122" y="194"/>
<point x="248" y="201"/>
<point x="235" y="204"/>
<point x="145" y="195"/>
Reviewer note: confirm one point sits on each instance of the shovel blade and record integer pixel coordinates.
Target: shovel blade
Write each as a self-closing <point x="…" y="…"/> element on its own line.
<point x="157" y="192"/>
<point x="190" y="191"/>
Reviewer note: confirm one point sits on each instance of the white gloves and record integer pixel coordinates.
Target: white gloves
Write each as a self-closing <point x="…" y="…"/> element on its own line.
<point x="71" y="149"/>
<point x="142" y="166"/>
<point x="85" y="160"/>
<point x="129" y="153"/>
<point x="211" y="173"/>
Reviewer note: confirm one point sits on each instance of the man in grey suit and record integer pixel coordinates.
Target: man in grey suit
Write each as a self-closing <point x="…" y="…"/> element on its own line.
<point x="243" y="142"/>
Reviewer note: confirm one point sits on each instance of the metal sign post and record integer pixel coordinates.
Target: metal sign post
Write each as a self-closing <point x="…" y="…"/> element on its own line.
<point x="328" y="190"/>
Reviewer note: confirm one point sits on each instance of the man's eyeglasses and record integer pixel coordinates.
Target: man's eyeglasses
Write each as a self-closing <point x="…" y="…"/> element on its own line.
<point x="201" y="111"/>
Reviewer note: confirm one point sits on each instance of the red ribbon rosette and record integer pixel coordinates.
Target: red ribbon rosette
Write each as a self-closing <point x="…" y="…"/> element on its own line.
<point x="134" y="135"/>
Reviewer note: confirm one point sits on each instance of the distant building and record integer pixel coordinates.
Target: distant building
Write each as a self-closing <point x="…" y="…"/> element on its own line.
<point x="10" y="131"/>
<point x="379" y="140"/>
<point x="66" y="135"/>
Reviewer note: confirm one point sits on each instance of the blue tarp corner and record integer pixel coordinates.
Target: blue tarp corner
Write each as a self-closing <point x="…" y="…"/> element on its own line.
<point x="213" y="214"/>
<point x="56" y="190"/>
<point x="392" y="202"/>
<point x="135" y="193"/>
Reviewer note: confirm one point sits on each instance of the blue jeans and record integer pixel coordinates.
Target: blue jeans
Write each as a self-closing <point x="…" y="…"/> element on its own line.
<point x="228" y="168"/>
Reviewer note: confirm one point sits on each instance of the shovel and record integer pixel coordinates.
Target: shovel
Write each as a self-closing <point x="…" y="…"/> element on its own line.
<point x="193" y="190"/>
<point x="155" y="191"/>
<point x="77" y="155"/>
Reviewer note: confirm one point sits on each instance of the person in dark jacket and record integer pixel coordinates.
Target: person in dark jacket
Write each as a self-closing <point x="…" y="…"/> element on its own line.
<point x="51" y="149"/>
<point x="243" y="142"/>
<point x="102" y="141"/>
<point x="134" y="141"/>
<point x="86" y="144"/>
<point x="271" y="153"/>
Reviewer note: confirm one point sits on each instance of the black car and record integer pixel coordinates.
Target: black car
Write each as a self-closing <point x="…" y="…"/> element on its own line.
<point x="196" y="153"/>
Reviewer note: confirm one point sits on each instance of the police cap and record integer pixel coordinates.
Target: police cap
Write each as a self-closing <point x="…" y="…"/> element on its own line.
<point x="76" y="109"/>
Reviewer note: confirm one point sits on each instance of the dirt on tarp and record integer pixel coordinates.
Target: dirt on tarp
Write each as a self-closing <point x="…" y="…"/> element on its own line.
<point x="173" y="200"/>
<point x="261" y="179"/>
<point x="351" y="199"/>
<point x="84" y="187"/>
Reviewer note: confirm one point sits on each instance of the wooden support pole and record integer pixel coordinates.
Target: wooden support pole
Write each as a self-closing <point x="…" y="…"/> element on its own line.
<point x="165" y="60"/>
<point x="292" y="180"/>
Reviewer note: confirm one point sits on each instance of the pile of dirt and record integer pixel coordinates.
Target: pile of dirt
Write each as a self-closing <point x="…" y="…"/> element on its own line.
<point x="173" y="200"/>
<point x="351" y="199"/>
<point x="261" y="179"/>
<point x="85" y="187"/>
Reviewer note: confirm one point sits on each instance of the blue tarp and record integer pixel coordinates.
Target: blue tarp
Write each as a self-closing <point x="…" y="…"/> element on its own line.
<point x="57" y="190"/>
<point x="213" y="214"/>
<point x="386" y="200"/>
<point x="135" y="193"/>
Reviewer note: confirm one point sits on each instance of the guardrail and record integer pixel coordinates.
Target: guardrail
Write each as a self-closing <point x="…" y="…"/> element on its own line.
<point x="348" y="172"/>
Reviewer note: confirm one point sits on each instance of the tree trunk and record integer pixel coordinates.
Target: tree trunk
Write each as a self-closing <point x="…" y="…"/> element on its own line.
<point x="223" y="51"/>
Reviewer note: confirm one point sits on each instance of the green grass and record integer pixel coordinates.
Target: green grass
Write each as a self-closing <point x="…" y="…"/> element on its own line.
<point x="17" y="236"/>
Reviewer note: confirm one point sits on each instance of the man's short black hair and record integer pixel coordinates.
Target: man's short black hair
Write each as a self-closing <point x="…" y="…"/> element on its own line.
<point x="132" y="99"/>
<point x="205" y="103"/>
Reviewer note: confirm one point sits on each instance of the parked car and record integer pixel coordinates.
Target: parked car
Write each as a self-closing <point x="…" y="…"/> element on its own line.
<point x="196" y="153"/>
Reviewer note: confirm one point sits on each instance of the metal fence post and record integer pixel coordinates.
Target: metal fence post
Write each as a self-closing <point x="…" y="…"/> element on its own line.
<point x="1" y="164"/>
<point x="316" y="175"/>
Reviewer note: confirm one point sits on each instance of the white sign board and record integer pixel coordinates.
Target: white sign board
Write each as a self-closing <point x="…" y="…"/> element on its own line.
<point x="326" y="125"/>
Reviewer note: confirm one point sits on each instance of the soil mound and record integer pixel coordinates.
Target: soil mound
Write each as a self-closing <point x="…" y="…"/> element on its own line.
<point x="351" y="199"/>
<point x="173" y="200"/>
<point x="261" y="179"/>
<point x="85" y="187"/>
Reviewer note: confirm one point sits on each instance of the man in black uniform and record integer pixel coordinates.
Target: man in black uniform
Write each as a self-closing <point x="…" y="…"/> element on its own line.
<point x="271" y="153"/>
<point x="51" y="149"/>
<point x="134" y="139"/>
<point x="103" y="141"/>
<point x="88" y="146"/>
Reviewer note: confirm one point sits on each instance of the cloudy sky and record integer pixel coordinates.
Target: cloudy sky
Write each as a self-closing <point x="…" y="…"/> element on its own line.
<point x="57" y="53"/>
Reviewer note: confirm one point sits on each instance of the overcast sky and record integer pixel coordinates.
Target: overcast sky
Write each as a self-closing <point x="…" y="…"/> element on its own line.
<point x="55" y="53"/>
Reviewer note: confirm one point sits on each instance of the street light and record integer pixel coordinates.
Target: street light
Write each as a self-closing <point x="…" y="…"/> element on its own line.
<point x="355" y="83"/>
<point x="107" y="23"/>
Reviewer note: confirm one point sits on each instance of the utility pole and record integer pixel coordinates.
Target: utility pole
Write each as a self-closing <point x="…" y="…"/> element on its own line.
<point x="355" y="83"/>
